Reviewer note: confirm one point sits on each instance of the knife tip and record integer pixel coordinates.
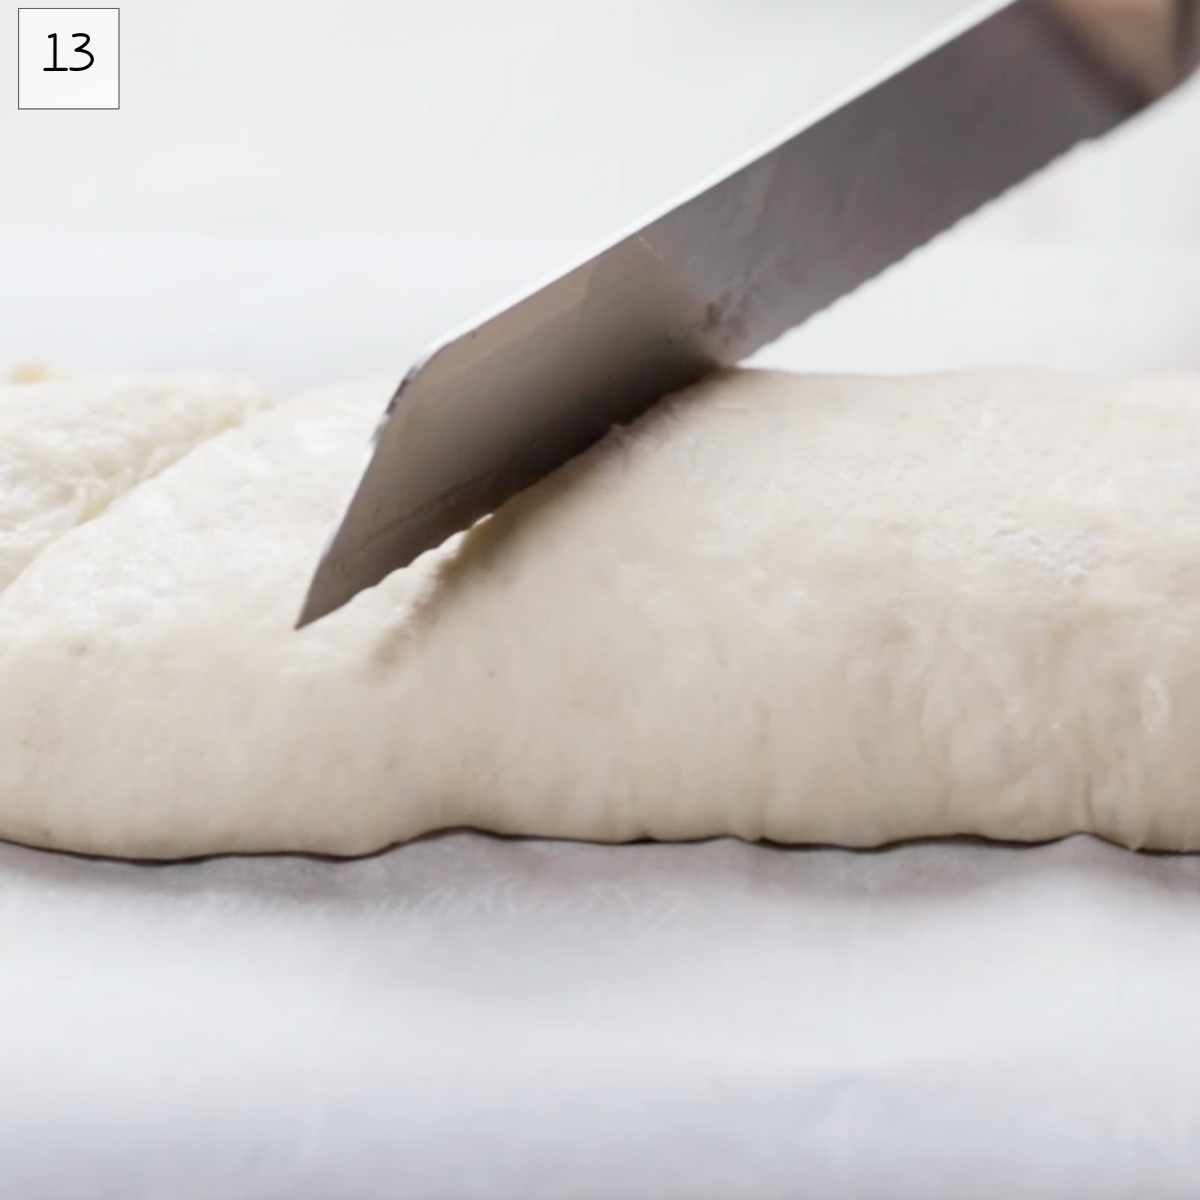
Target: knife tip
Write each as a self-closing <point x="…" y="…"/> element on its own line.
<point x="317" y="604"/>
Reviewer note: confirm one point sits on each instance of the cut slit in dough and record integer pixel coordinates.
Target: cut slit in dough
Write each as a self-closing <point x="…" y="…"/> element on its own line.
<point x="70" y="447"/>
<point x="809" y="609"/>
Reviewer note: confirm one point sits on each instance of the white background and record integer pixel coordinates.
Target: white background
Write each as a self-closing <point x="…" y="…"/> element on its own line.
<point x="310" y="190"/>
<point x="529" y="119"/>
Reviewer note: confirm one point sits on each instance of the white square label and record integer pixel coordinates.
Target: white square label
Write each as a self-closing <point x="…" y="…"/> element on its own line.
<point x="68" y="58"/>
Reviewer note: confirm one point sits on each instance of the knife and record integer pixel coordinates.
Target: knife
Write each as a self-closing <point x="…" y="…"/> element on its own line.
<point x="778" y="236"/>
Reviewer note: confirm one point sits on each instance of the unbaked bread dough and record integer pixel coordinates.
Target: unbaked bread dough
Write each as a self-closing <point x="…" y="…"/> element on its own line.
<point x="70" y="447"/>
<point x="810" y="609"/>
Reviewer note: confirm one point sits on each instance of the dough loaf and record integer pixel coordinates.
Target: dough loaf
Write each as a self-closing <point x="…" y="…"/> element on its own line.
<point x="810" y="609"/>
<point x="70" y="447"/>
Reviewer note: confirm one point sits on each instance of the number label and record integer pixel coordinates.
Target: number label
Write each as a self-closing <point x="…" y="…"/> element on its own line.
<point x="82" y="48"/>
<point x="60" y="69"/>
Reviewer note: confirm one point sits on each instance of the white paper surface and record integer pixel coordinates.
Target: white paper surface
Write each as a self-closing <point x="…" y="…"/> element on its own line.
<point x="474" y="1017"/>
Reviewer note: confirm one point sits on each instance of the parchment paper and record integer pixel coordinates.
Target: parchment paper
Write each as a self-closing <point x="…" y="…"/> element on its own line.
<point x="473" y="1017"/>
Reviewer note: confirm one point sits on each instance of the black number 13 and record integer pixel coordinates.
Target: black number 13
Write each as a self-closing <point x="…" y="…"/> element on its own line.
<point x="80" y="49"/>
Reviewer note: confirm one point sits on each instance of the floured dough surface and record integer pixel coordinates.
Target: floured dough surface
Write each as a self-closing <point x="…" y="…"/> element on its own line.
<point x="809" y="609"/>
<point x="70" y="447"/>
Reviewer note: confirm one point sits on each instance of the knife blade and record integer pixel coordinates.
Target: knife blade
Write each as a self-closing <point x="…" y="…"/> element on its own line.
<point x="713" y="277"/>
